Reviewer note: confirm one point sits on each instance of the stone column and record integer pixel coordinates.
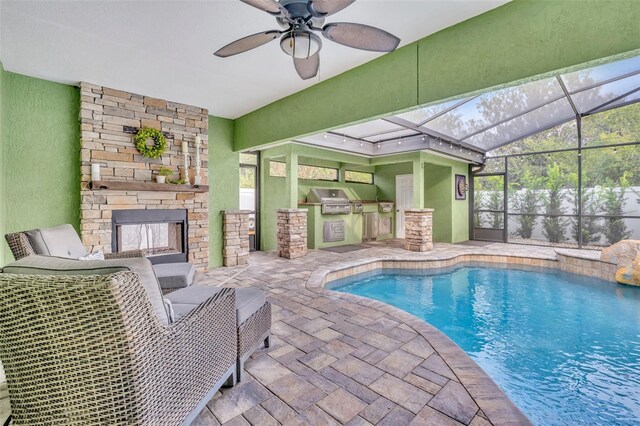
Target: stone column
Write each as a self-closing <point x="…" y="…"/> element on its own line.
<point x="235" y="246"/>
<point x="418" y="224"/>
<point x="292" y="233"/>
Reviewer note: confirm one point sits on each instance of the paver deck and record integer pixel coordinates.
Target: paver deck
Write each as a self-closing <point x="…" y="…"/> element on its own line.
<point x="341" y="359"/>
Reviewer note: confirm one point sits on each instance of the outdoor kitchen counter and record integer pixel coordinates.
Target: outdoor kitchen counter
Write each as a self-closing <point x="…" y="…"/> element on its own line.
<point x="353" y="224"/>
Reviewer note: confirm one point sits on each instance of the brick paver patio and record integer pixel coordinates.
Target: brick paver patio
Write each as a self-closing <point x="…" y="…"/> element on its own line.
<point x="340" y="359"/>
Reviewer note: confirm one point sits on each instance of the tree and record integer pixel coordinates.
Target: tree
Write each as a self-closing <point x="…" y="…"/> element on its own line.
<point x="613" y="196"/>
<point x="478" y="204"/>
<point x="525" y="202"/>
<point x="591" y="205"/>
<point x="495" y="202"/>
<point x="247" y="177"/>
<point x="553" y="224"/>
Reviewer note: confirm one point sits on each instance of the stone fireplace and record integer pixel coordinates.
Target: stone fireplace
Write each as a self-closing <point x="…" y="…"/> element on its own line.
<point x="108" y="219"/>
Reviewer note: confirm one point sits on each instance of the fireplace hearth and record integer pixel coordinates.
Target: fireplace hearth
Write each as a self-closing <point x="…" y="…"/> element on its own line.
<point x="161" y="234"/>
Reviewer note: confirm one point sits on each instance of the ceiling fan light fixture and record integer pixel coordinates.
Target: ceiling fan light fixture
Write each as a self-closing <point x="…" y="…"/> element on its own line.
<point x="300" y="44"/>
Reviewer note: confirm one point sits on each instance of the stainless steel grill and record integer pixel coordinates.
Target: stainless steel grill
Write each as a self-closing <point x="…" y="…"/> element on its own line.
<point x="333" y="201"/>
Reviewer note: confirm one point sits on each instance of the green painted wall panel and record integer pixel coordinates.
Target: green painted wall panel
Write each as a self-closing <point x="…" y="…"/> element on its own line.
<point x="2" y="182"/>
<point x="459" y="208"/>
<point x="515" y="41"/>
<point x="273" y="196"/>
<point x="439" y="196"/>
<point x="224" y="182"/>
<point x="41" y="146"/>
<point x="385" y="179"/>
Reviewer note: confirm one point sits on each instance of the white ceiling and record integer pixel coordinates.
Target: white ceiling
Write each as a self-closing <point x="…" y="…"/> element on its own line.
<point x="164" y="48"/>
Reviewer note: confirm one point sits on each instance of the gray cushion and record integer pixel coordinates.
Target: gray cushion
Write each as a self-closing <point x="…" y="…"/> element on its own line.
<point x="193" y="295"/>
<point x="175" y="275"/>
<point x="61" y="241"/>
<point x="185" y="300"/>
<point x="248" y="300"/>
<point x="50" y="265"/>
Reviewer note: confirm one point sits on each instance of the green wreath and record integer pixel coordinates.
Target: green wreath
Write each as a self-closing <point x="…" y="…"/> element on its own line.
<point x="159" y="142"/>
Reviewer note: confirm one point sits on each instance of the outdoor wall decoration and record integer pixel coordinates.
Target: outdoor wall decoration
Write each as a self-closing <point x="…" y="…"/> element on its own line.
<point x="159" y="142"/>
<point x="461" y="187"/>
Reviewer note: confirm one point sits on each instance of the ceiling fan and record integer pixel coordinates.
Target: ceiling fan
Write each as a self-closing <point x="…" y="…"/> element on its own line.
<point x="299" y="20"/>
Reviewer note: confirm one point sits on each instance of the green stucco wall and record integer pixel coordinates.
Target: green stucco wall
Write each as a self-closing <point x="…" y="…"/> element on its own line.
<point x="273" y="196"/>
<point x="41" y="146"/>
<point x="439" y="196"/>
<point x="2" y="183"/>
<point x="224" y="182"/>
<point x="385" y="179"/>
<point x="441" y="172"/>
<point x="521" y="39"/>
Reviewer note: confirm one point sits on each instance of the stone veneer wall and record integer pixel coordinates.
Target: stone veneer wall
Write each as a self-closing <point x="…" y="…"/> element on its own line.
<point x="109" y="119"/>
<point x="418" y="229"/>
<point x="292" y="233"/>
<point x="235" y="249"/>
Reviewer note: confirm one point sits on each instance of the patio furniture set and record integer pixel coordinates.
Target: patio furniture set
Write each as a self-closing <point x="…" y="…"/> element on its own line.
<point x="97" y="340"/>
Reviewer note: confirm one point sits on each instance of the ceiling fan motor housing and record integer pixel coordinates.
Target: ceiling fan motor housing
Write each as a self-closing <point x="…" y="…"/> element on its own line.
<point x="298" y="10"/>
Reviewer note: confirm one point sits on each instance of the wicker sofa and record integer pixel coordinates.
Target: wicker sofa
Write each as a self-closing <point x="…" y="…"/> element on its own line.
<point x="252" y="312"/>
<point x="61" y="241"/>
<point x="92" y="349"/>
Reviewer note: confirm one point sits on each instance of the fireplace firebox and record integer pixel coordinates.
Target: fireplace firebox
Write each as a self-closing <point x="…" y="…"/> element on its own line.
<point x="160" y="234"/>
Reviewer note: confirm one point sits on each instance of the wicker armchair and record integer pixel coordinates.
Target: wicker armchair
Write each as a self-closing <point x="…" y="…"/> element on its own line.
<point x="22" y="247"/>
<point x="89" y="350"/>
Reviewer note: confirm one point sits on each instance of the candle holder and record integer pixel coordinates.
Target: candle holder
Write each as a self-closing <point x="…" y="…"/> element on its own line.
<point x="197" y="180"/>
<point x="185" y="153"/>
<point x="95" y="172"/>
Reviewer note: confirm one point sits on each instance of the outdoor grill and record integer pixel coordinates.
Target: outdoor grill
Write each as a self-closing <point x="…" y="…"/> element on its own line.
<point x="333" y="201"/>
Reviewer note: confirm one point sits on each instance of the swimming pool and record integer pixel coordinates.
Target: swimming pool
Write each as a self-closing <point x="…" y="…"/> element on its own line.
<point x="565" y="348"/>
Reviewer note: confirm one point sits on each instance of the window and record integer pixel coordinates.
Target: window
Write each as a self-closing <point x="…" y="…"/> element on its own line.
<point x="358" y="177"/>
<point x="249" y="158"/>
<point x="277" y="169"/>
<point x="317" y="173"/>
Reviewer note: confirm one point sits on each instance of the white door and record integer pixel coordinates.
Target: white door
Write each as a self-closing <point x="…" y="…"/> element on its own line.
<point x="404" y="201"/>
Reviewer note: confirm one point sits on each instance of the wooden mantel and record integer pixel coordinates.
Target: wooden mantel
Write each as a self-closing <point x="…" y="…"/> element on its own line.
<point x="114" y="185"/>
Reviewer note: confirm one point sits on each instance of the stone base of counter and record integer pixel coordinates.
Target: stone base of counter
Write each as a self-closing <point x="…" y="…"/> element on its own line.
<point x="292" y="233"/>
<point x="418" y="224"/>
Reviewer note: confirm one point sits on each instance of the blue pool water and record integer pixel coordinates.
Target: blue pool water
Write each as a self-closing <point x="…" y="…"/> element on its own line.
<point x="565" y="348"/>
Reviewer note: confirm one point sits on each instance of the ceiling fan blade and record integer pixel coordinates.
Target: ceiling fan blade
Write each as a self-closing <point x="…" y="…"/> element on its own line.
<point x="320" y="8"/>
<point x="269" y="6"/>
<point x="307" y="67"/>
<point x="361" y="36"/>
<point x="247" y="43"/>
